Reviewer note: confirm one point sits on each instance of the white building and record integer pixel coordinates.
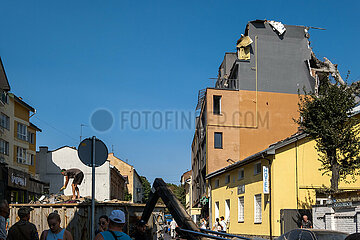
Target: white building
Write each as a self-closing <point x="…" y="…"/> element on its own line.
<point x="50" y="164"/>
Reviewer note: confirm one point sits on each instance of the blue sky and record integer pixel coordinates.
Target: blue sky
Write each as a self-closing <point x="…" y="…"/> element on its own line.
<point x="69" y="58"/>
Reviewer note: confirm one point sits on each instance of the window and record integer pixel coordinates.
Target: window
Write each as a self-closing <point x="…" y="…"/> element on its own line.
<point x="217" y="105"/>
<point x="227" y="179"/>
<point x="241" y="174"/>
<point x="216" y="210"/>
<point x="257" y="209"/>
<point x="4" y="147"/>
<point x="21" y="131"/>
<point x="30" y="159"/>
<point x="241" y="189"/>
<point x="4" y="97"/>
<point x="227" y="210"/>
<point x="218" y="140"/>
<point x="257" y="168"/>
<point x="30" y="137"/>
<point x="217" y="183"/>
<point x="21" y="155"/>
<point x="4" y="121"/>
<point x="241" y="209"/>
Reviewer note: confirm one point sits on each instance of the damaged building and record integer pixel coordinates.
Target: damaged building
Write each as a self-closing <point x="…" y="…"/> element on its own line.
<point x="254" y="101"/>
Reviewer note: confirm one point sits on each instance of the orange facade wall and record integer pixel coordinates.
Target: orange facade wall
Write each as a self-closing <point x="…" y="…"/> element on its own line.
<point x="249" y="121"/>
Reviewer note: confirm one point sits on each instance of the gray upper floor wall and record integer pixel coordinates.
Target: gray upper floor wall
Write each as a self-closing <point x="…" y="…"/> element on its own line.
<point x="283" y="60"/>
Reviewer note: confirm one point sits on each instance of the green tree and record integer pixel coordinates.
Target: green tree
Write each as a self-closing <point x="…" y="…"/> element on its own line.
<point x="179" y="192"/>
<point x="146" y="187"/>
<point x="327" y="118"/>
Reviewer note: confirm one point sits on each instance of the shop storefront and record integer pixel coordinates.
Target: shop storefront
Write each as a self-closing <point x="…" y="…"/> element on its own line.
<point x="22" y="188"/>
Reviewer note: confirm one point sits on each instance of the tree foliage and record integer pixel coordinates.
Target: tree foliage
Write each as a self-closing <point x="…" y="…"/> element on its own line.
<point x="327" y="118"/>
<point x="179" y="192"/>
<point x="146" y="188"/>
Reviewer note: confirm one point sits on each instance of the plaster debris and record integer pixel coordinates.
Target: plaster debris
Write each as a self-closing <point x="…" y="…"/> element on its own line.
<point x="278" y="27"/>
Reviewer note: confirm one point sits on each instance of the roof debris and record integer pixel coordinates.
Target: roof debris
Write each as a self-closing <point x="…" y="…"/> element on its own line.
<point x="278" y="27"/>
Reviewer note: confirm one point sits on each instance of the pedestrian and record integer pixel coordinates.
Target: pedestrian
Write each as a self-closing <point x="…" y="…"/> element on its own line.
<point x="103" y="224"/>
<point x="203" y="223"/>
<point x="4" y="215"/>
<point x="172" y="228"/>
<point x="140" y="233"/>
<point x="55" y="231"/>
<point x="116" y="226"/>
<point x="223" y="224"/>
<point x="305" y="223"/>
<point x="23" y="229"/>
<point x="77" y="175"/>
<point x="217" y="226"/>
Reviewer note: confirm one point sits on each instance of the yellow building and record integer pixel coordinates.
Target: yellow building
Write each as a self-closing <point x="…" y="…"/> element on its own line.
<point x="18" y="179"/>
<point x="133" y="180"/>
<point x="241" y="192"/>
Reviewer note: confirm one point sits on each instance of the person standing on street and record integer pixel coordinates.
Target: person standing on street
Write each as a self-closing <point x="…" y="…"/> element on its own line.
<point x="223" y="225"/>
<point x="116" y="226"/>
<point x="217" y="226"/>
<point x="305" y="223"/>
<point x="4" y="214"/>
<point x="77" y="175"/>
<point x="23" y="229"/>
<point x="55" y="231"/>
<point x="172" y="228"/>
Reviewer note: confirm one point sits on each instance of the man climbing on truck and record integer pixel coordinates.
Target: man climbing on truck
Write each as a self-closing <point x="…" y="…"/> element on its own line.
<point x="77" y="175"/>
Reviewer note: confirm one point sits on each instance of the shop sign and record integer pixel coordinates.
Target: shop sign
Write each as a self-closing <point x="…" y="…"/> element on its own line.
<point x="17" y="179"/>
<point x="266" y="189"/>
<point x="342" y="205"/>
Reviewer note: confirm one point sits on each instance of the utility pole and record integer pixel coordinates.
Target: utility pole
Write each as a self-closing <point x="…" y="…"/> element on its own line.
<point x="81" y="126"/>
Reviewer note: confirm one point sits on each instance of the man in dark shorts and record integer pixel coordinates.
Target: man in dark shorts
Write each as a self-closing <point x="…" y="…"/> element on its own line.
<point x="77" y="175"/>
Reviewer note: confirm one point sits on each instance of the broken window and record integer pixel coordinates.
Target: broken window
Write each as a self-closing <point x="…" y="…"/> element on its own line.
<point x="217" y="105"/>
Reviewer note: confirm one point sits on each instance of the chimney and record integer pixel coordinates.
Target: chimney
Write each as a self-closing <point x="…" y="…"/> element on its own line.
<point x="43" y="149"/>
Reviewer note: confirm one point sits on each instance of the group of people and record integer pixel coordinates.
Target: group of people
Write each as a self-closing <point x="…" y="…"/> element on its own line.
<point x="25" y="230"/>
<point x="220" y="226"/>
<point x="110" y="228"/>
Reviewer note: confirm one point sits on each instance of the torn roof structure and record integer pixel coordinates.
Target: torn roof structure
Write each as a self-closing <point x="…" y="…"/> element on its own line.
<point x="278" y="56"/>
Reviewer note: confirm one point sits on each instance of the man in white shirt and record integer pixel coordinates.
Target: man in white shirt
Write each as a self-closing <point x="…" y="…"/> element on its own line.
<point x="172" y="228"/>
<point x="223" y="225"/>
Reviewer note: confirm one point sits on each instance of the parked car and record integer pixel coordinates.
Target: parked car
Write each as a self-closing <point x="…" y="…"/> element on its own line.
<point x="312" y="234"/>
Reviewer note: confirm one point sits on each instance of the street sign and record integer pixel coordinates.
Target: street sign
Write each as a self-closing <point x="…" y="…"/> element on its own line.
<point x="266" y="180"/>
<point x="85" y="152"/>
<point x="93" y="153"/>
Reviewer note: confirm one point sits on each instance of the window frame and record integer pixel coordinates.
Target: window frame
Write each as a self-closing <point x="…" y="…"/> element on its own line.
<point x="217" y="99"/>
<point x="6" y="120"/>
<point x="243" y="174"/>
<point x="21" y="155"/>
<point x="241" y="209"/>
<point x="221" y="140"/>
<point x="22" y="131"/>
<point x="4" y="149"/>
<point x="256" y="172"/>
<point x="258" y="206"/>
<point x="227" y="178"/>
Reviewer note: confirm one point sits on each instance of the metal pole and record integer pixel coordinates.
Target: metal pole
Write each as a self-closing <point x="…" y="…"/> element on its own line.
<point x="93" y="190"/>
